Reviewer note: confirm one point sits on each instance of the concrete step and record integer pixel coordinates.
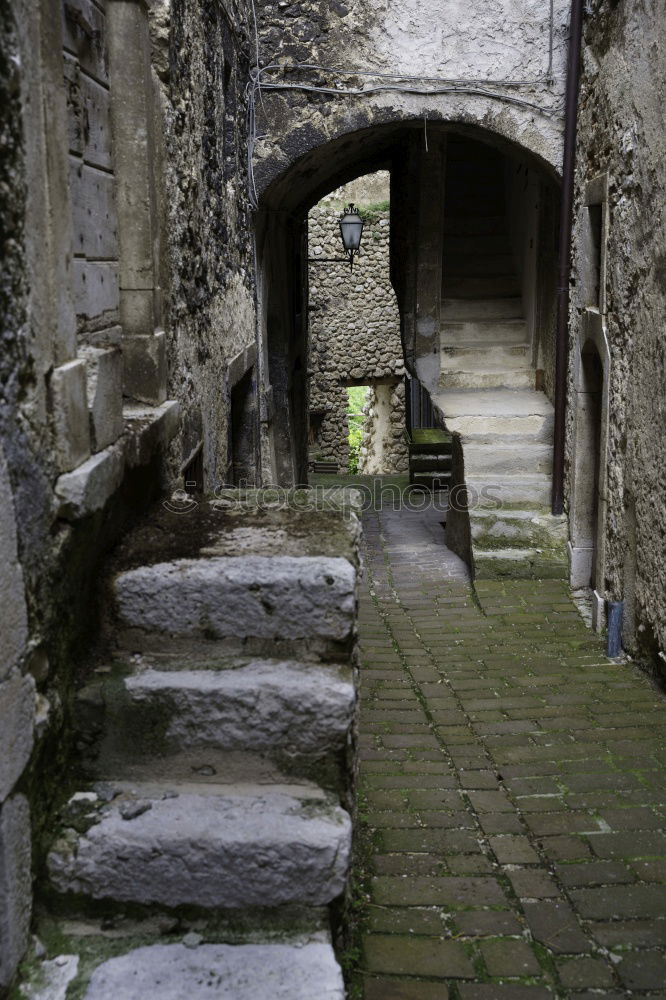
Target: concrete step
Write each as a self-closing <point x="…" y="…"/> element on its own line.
<point x="494" y="378"/>
<point x="215" y="847"/>
<point x="480" y="310"/>
<point x="518" y="492"/>
<point x="298" y="969"/>
<point x="519" y="563"/>
<point x="479" y="263"/>
<point x="491" y="287"/>
<point x="298" y="715"/>
<point x="466" y="245"/>
<point x="517" y="529"/>
<point x="265" y="597"/>
<point x="508" y="459"/>
<point x="473" y="225"/>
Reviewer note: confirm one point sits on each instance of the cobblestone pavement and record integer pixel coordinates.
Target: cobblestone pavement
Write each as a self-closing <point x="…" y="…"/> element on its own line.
<point x="513" y="791"/>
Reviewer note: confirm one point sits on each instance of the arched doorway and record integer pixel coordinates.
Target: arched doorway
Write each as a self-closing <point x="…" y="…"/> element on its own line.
<point x="526" y="194"/>
<point x="588" y="505"/>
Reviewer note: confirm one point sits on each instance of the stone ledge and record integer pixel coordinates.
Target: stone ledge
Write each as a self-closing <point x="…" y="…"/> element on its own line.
<point x="87" y="488"/>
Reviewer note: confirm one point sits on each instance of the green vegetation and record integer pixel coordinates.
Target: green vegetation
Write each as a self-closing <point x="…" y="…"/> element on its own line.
<point x="372" y="213"/>
<point x="356" y="398"/>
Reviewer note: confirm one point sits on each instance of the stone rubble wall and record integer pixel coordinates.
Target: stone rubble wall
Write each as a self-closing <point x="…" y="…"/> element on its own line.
<point x="428" y="39"/>
<point x="107" y="254"/>
<point x="354" y="328"/>
<point x="622" y="138"/>
<point x="202" y="67"/>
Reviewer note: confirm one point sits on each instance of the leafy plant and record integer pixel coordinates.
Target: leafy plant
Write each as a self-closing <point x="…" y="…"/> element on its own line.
<point x="356" y="399"/>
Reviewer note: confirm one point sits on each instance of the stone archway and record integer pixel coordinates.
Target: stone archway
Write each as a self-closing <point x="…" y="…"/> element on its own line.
<point x="418" y="175"/>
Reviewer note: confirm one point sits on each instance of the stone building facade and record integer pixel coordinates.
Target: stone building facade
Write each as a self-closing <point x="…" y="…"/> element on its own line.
<point x="616" y="445"/>
<point x="355" y="335"/>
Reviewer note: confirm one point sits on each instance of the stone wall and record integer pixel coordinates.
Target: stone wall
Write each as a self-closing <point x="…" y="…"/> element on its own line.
<point x="202" y="54"/>
<point x="354" y="325"/>
<point x="384" y="450"/>
<point x="372" y="53"/>
<point x="619" y="301"/>
<point x="126" y="249"/>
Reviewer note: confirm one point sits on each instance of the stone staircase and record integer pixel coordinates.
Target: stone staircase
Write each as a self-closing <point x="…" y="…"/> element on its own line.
<point x="217" y="751"/>
<point x="430" y="459"/>
<point x="486" y="391"/>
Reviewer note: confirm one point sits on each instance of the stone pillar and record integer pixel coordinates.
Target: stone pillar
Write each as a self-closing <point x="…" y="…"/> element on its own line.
<point x="132" y="115"/>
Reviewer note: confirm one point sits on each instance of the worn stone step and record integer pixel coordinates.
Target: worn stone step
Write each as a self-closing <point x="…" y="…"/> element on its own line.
<point x="491" y="429"/>
<point x="472" y="225"/>
<point x="479" y="262"/>
<point x="265" y="597"/>
<point x="500" y="286"/>
<point x="480" y="310"/>
<point x="517" y="529"/>
<point x="214" y="847"/>
<point x="485" y="356"/>
<point x="490" y="414"/>
<point x="296" y="714"/>
<point x="293" y="970"/>
<point x="519" y="563"/>
<point x="493" y="378"/>
<point x="503" y="403"/>
<point x="508" y="459"/>
<point x="511" y="492"/>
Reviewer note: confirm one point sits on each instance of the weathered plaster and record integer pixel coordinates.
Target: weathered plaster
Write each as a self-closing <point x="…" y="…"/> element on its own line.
<point x="477" y="45"/>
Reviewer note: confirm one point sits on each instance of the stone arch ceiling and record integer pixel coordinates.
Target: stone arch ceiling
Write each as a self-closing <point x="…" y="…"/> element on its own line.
<point x="293" y="172"/>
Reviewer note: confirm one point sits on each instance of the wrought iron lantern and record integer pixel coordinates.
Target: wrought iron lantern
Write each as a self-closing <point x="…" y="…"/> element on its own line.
<point x="351" y="230"/>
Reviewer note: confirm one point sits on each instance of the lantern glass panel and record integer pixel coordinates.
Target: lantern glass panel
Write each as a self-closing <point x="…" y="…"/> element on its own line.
<point x="351" y="229"/>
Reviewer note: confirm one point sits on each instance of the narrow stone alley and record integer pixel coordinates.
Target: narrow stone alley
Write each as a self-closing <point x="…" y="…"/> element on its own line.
<point x="513" y="794"/>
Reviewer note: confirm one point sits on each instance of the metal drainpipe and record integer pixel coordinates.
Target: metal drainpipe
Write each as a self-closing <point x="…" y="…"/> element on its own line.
<point x="564" y="271"/>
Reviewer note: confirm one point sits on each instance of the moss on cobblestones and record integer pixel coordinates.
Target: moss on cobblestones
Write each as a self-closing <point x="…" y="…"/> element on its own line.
<point x="506" y="683"/>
